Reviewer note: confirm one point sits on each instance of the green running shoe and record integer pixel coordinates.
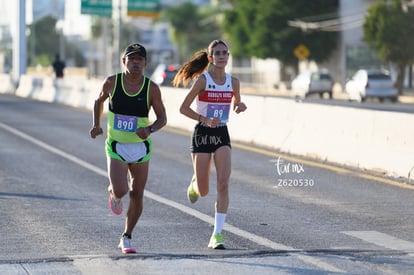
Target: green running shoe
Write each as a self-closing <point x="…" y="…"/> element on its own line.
<point x="192" y="195"/>
<point x="216" y="242"/>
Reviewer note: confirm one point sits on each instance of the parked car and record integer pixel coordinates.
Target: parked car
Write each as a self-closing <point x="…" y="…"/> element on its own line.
<point x="164" y="74"/>
<point x="371" y="83"/>
<point x="307" y="83"/>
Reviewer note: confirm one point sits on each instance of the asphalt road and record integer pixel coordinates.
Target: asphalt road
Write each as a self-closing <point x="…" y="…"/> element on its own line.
<point x="287" y="215"/>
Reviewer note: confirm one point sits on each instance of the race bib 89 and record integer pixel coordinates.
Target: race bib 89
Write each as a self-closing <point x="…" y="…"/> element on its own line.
<point x="220" y="111"/>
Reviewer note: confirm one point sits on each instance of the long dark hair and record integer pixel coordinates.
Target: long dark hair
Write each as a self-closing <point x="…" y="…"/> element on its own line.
<point x="197" y="64"/>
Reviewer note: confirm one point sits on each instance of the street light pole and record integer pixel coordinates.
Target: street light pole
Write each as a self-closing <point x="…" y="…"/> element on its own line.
<point x="19" y="43"/>
<point x="117" y="37"/>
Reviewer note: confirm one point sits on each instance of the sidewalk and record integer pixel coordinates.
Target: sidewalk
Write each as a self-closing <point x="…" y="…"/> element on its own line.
<point x="407" y="96"/>
<point x="275" y="263"/>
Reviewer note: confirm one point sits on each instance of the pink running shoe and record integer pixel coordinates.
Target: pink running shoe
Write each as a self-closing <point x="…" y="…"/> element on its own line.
<point x="115" y="205"/>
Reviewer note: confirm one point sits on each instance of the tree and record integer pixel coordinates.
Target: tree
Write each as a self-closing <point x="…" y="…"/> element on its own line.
<point x="260" y="29"/>
<point x="388" y="30"/>
<point x="192" y="27"/>
<point x="43" y="43"/>
<point x="129" y="32"/>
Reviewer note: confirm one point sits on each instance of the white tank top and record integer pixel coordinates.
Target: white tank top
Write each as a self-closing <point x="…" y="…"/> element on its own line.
<point x="216" y="99"/>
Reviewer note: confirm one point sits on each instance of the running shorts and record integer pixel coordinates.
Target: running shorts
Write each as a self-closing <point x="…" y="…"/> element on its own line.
<point x="138" y="152"/>
<point x="207" y="140"/>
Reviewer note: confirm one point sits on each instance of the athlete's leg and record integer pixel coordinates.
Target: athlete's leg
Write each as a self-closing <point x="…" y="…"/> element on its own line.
<point x="222" y="161"/>
<point x="201" y="166"/>
<point x="139" y="174"/>
<point x="118" y="177"/>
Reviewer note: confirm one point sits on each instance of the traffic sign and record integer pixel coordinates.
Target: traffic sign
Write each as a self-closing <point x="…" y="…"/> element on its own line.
<point x="97" y="7"/>
<point x="144" y="8"/>
<point x="301" y="52"/>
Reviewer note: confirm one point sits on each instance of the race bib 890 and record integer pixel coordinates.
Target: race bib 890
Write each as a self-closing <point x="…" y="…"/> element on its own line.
<point x="125" y="123"/>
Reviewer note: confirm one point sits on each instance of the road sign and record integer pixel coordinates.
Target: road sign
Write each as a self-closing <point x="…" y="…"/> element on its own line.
<point x="301" y="52"/>
<point x="97" y="7"/>
<point x="144" y="8"/>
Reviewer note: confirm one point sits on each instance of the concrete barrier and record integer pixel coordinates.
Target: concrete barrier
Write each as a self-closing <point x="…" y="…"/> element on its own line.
<point x="6" y="86"/>
<point x="368" y="139"/>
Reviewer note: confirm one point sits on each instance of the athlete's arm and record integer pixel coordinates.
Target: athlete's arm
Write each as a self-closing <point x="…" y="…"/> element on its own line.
<point x="197" y="88"/>
<point x="107" y="87"/>
<point x="159" y="110"/>
<point x="238" y="106"/>
<point x="158" y="107"/>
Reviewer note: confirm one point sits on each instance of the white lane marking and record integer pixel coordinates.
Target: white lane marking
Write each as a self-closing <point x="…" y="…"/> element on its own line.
<point x="54" y="150"/>
<point x="237" y="231"/>
<point x="382" y="239"/>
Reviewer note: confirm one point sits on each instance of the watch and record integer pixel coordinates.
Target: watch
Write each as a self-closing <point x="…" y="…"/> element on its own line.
<point x="151" y="129"/>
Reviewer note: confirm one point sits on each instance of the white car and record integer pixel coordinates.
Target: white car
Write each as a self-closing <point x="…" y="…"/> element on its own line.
<point x="371" y="83"/>
<point x="307" y="83"/>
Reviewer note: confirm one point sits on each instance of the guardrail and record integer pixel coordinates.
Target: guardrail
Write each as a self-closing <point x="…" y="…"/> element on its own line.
<point x="368" y="139"/>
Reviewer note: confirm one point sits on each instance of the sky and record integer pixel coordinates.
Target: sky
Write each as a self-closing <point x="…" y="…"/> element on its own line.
<point x="74" y="23"/>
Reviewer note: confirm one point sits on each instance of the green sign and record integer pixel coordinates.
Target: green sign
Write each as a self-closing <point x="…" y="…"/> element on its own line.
<point x="97" y="7"/>
<point x="145" y="8"/>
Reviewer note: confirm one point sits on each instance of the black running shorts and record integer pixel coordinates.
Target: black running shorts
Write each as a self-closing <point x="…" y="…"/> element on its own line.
<point x="208" y="140"/>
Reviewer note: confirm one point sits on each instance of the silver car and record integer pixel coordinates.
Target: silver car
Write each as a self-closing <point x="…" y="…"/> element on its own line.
<point x="371" y="83"/>
<point x="307" y="83"/>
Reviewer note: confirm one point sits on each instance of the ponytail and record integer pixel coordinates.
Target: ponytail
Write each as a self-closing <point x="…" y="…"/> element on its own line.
<point x="192" y="68"/>
<point x="196" y="65"/>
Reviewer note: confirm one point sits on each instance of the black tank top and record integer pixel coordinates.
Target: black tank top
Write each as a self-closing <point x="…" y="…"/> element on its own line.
<point x="126" y="104"/>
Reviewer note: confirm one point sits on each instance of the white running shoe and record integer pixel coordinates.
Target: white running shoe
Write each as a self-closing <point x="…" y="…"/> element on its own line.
<point x="125" y="245"/>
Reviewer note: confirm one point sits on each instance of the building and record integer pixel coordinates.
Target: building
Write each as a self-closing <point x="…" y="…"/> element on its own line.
<point x="353" y="52"/>
<point x="351" y="46"/>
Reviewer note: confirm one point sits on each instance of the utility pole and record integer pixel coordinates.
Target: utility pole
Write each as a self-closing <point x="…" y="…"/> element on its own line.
<point x="117" y="66"/>
<point x="118" y="37"/>
<point x="19" y="42"/>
